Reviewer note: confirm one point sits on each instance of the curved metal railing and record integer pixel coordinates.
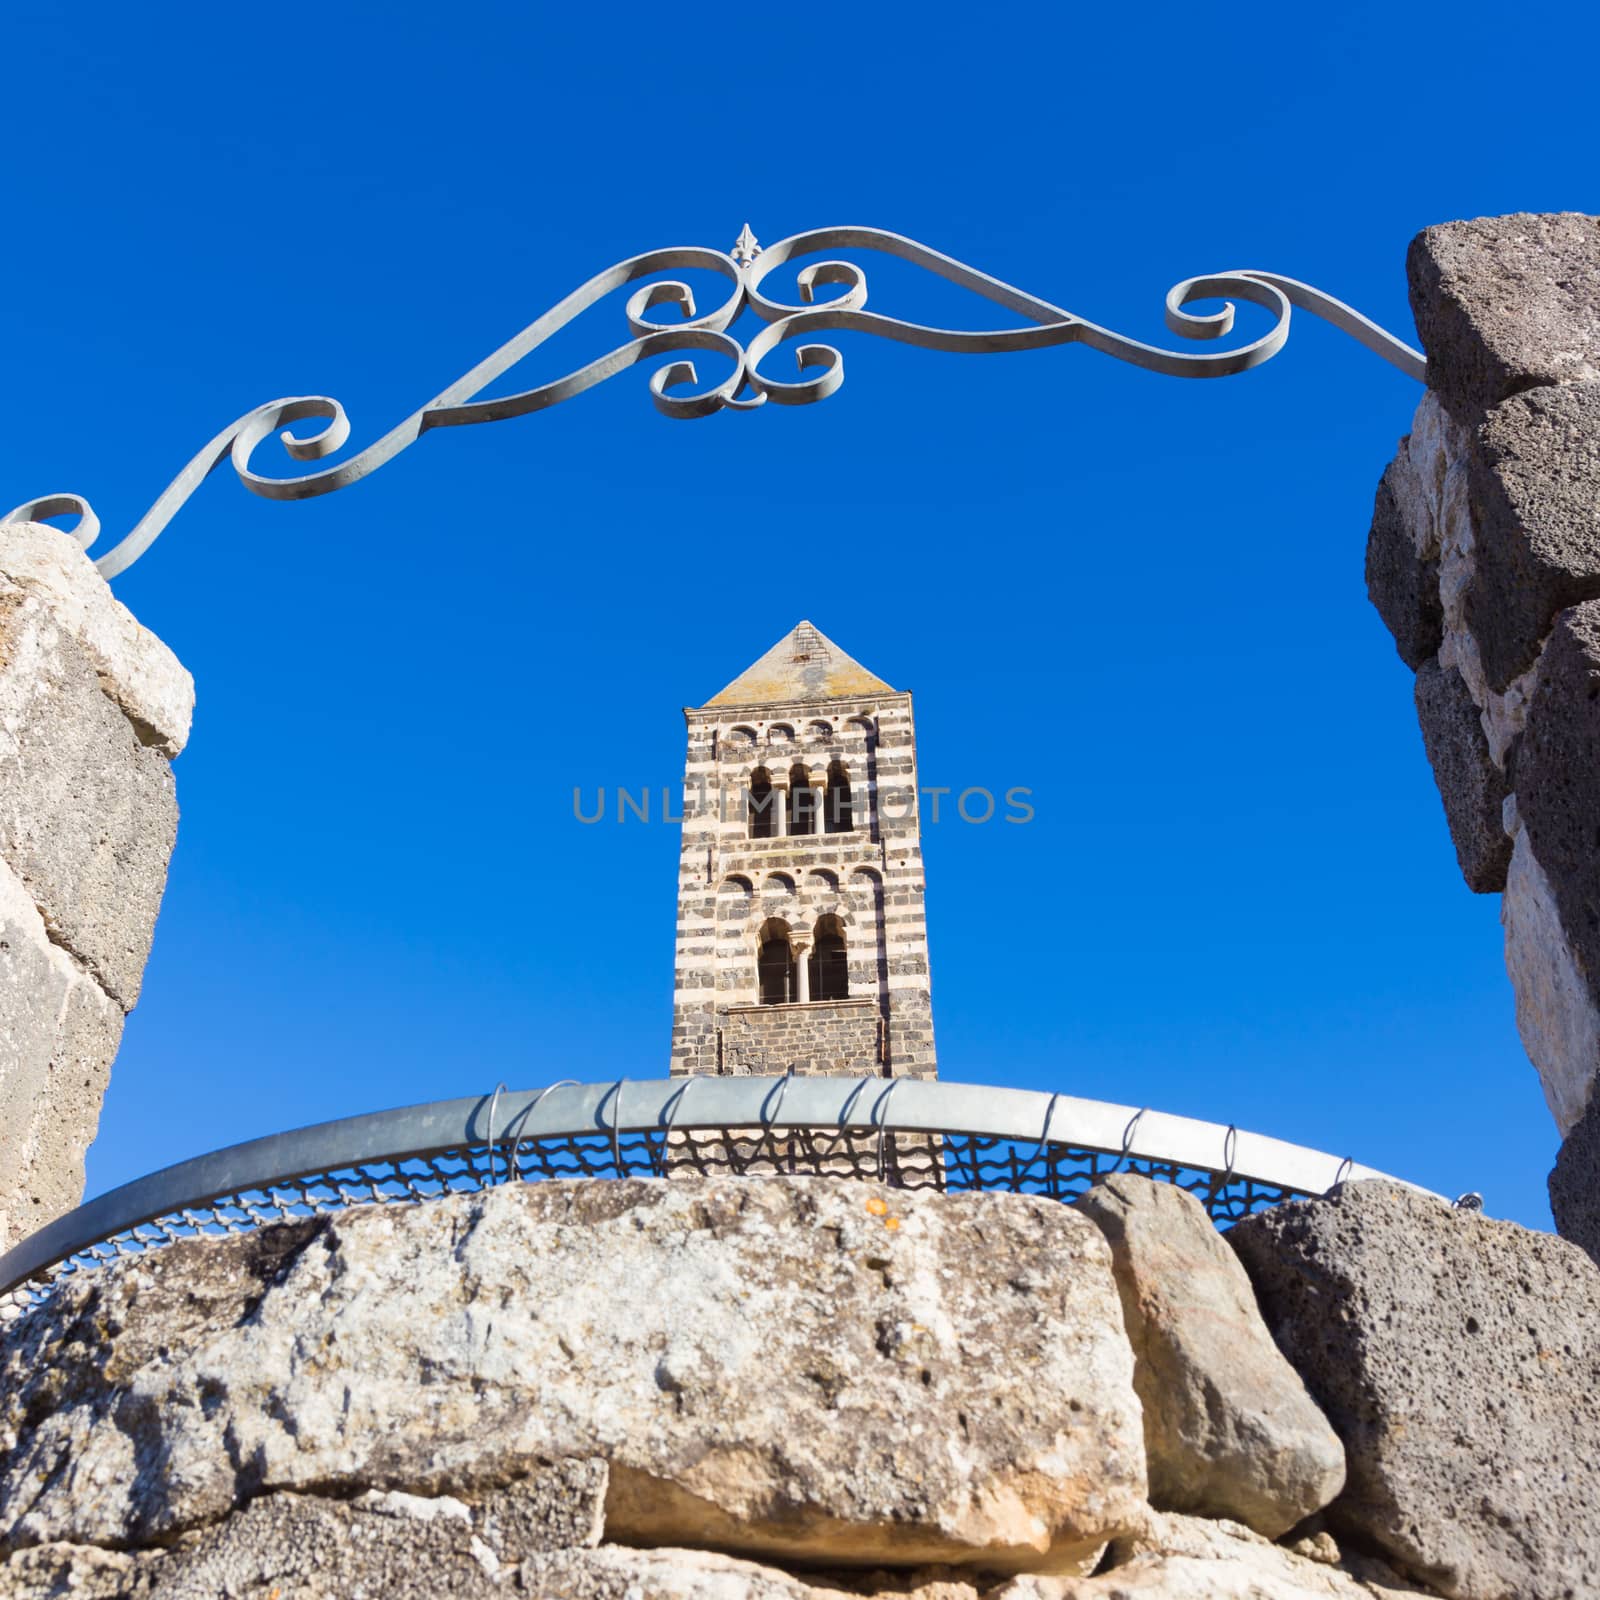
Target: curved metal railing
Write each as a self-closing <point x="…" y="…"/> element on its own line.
<point x="913" y="1133"/>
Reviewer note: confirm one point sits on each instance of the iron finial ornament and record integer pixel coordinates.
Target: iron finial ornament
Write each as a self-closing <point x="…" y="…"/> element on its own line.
<point x="675" y="387"/>
<point x="746" y="247"/>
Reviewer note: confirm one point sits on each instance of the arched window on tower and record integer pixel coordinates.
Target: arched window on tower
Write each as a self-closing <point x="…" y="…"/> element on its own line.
<point x="763" y="802"/>
<point x="830" y="972"/>
<point x="775" y="963"/>
<point x="839" y="804"/>
<point x="802" y="803"/>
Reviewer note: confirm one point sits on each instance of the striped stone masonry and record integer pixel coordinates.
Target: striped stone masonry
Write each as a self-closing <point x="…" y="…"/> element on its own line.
<point x="805" y="949"/>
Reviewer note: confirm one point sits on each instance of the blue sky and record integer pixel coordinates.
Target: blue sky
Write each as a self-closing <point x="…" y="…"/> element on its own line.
<point x="1141" y="598"/>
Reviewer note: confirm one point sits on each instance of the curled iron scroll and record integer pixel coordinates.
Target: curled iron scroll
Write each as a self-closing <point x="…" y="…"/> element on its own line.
<point x="676" y="388"/>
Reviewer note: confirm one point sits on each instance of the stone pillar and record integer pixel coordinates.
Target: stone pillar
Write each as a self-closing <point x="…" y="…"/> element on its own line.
<point x="802" y="971"/>
<point x="92" y="710"/>
<point x="1484" y="560"/>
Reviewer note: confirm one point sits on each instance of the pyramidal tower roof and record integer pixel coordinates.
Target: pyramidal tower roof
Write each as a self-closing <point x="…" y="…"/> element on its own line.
<point x="803" y="665"/>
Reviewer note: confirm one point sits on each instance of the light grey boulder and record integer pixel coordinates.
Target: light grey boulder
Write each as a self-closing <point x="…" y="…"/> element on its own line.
<point x="1534" y="489"/>
<point x="1229" y="1429"/>
<point x="1507" y="303"/>
<point x="1459" y="1359"/>
<point x="91" y="707"/>
<point x="793" y="1368"/>
<point x="88" y="812"/>
<point x="58" y="1035"/>
<point x="1471" y="786"/>
<point x="135" y="669"/>
<point x="1188" y="1558"/>
<point x="615" y="1572"/>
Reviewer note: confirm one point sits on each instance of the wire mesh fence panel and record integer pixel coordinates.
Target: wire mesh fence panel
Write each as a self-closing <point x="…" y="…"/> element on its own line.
<point x="953" y="1161"/>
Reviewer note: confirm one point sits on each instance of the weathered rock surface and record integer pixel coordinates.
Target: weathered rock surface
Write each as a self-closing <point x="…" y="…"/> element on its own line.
<point x="78" y="1572"/>
<point x="87" y="812"/>
<point x="1557" y="1015"/>
<point x="1552" y="906"/>
<point x="91" y="706"/>
<point x="1575" y="1183"/>
<point x="615" y="1572"/>
<point x="793" y="1368"/>
<point x="1558" y="777"/>
<point x="1424" y="521"/>
<point x="1403" y="564"/>
<point x="135" y="669"/>
<point x="1495" y="497"/>
<point x="305" y="1548"/>
<point x="58" y="1034"/>
<point x="1471" y="786"/>
<point x="1459" y="1360"/>
<point x="393" y="1546"/>
<point x="1185" y="1558"/>
<point x="1535" y="493"/>
<point x="1504" y="304"/>
<point x="289" y="1547"/>
<point x="1229" y="1429"/>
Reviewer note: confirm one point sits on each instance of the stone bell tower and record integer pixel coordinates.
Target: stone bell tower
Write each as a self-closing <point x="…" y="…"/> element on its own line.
<point x="802" y="939"/>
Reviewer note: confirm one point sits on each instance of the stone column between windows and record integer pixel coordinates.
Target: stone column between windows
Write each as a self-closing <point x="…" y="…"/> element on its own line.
<point x="802" y="970"/>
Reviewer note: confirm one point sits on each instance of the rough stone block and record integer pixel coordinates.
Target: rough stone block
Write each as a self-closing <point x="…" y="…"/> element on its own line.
<point x="796" y="1368"/>
<point x="399" y="1547"/>
<point x="58" y="1034"/>
<point x="1459" y="1360"/>
<point x="1508" y="303"/>
<point x="1186" y="1558"/>
<point x="1229" y="1429"/>
<point x="1471" y="786"/>
<point x="1534" y="475"/>
<point x="88" y="813"/>
<point x="1403" y="582"/>
<point x="78" y="1572"/>
<point x="615" y="1572"/>
<point x="1575" y="1183"/>
<point x="1557" y="774"/>
<point x="135" y="668"/>
<point x="1558" y="1016"/>
<point x="315" y="1549"/>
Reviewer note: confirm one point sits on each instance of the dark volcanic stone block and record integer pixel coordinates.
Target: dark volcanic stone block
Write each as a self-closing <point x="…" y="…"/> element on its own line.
<point x="1557" y="770"/>
<point x="1401" y="584"/>
<point x="1459" y="1360"/>
<point x="1472" y="787"/>
<point x="1535" y="494"/>
<point x="1575" y="1183"/>
<point x="1504" y="304"/>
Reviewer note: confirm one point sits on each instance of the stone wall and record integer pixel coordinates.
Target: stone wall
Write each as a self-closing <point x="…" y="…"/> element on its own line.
<point x="840" y="1036"/>
<point x="1484" y="561"/>
<point x="92" y="710"/>
<point x="807" y="1388"/>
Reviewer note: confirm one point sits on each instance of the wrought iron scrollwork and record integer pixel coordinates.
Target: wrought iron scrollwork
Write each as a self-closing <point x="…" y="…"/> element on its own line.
<point x="676" y="386"/>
